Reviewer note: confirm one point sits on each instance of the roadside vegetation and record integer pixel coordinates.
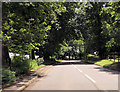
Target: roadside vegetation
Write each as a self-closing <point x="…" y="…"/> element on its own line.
<point x="113" y="64"/>
<point x="20" y="66"/>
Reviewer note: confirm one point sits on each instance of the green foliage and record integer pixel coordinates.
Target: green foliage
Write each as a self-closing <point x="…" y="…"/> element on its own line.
<point x="71" y="48"/>
<point x="8" y="76"/>
<point x="61" y="29"/>
<point x="20" y="65"/>
<point x="40" y="61"/>
<point x="92" y="57"/>
<point x="32" y="64"/>
<point x="115" y="66"/>
<point x="49" y="61"/>
<point x="63" y="49"/>
<point x="104" y="62"/>
<point x="29" y="34"/>
<point x="35" y="64"/>
<point x="112" y="25"/>
<point x="98" y="24"/>
<point x="109" y="64"/>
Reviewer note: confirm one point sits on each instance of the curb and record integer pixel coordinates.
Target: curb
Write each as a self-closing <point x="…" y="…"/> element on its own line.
<point x="22" y="87"/>
<point x="27" y="84"/>
<point x="98" y="65"/>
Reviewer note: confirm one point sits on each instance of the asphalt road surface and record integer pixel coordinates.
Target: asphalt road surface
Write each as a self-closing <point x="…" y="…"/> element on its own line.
<point x="74" y="75"/>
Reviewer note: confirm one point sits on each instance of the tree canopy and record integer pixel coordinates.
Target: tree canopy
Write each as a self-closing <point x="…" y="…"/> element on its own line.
<point x="61" y="28"/>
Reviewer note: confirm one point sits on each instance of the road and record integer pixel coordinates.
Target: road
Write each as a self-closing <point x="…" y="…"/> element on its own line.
<point x="74" y="75"/>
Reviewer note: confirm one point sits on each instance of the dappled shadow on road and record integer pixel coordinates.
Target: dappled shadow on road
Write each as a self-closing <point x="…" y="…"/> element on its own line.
<point x="78" y="62"/>
<point x="101" y="69"/>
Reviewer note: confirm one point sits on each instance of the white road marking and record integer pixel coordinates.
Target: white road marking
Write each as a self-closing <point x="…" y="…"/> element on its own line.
<point x="77" y="68"/>
<point x="85" y="74"/>
<point x="90" y="78"/>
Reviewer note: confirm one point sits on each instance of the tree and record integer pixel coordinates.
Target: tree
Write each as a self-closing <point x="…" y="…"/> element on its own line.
<point x="16" y="33"/>
<point x="112" y="26"/>
<point x="90" y="26"/>
<point x="59" y="31"/>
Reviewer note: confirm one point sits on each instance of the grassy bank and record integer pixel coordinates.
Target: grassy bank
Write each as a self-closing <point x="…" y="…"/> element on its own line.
<point x="106" y="63"/>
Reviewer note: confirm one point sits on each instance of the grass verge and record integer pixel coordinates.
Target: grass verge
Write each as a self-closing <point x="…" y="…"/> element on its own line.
<point x="37" y="67"/>
<point x="107" y="63"/>
<point x="104" y="62"/>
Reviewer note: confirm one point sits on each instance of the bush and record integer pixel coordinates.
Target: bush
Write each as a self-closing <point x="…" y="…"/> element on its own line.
<point x="8" y="76"/>
<point x="40" y="61"/>
<point x="32" y="64"/>
<point x="20" y="65"/>
<point x="23" y="65"/>
<point x="107" y="66"/>
<point x="50" y="61"/>
<point x="115" y="66"/>
<point x="93" y="57"/>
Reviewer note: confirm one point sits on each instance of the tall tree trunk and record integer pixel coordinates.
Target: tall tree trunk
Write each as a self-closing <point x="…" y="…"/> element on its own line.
<point x="5" y="56"/>
<point x="32" y="55"/>
<point x="46" y="56"/>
